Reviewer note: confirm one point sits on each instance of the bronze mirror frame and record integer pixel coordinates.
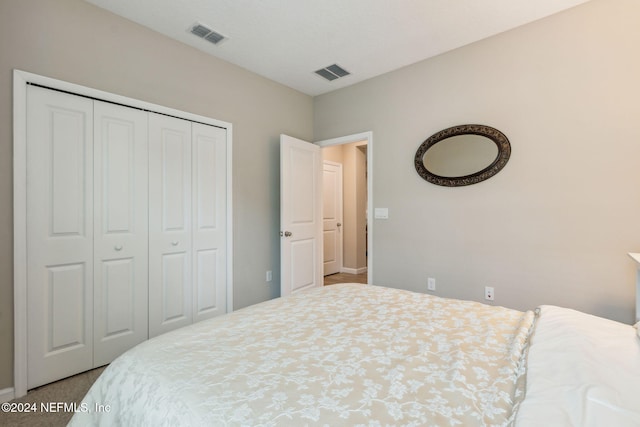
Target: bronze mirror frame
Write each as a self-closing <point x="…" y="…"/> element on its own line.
<point x="497" y="137"/>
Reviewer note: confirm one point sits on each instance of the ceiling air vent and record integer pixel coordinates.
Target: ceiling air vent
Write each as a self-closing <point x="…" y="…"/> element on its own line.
<point x="206" y="33"/>
<point x="332" y="72"/>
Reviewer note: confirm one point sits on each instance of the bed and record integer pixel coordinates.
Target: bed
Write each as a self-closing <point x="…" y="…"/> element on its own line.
<point x="362" y="355"/>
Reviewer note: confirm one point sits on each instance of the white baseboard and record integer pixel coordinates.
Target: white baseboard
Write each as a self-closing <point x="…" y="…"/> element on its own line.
<point x="353" y="270"/>
<point x="6" y="395"/>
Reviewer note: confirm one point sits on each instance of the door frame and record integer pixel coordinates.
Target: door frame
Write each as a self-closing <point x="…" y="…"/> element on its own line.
<point x="358" y="137"/>
<point x="20" y="81"/>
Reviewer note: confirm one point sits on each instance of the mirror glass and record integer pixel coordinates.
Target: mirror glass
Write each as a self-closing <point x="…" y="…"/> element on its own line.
<point x="460" y="155"/>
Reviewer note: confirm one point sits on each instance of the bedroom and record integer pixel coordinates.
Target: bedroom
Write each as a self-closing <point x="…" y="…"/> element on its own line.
<point x="553" y="227"/>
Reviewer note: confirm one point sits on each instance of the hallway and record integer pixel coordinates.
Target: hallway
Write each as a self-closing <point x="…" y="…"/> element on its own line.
<point x="332" y="279"/>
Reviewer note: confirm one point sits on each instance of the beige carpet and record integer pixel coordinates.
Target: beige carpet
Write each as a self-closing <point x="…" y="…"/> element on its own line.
<point x="51" y="396"/>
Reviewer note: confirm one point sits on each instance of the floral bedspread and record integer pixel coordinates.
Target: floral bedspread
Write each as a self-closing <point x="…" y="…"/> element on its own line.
<point x="342" y="355"/>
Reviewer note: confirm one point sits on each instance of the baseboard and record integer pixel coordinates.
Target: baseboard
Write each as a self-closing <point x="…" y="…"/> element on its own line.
<point x="353" y="270"/>
<point x="6" y="395"/>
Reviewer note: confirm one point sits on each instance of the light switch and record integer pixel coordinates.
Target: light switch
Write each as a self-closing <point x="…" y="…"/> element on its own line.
<point x="381" y="213"/>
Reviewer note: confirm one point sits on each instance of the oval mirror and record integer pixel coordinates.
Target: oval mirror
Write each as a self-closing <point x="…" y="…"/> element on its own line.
<point x="462" y="155"/>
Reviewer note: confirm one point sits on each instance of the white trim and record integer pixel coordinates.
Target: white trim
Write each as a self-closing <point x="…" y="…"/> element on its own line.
<point x="368" y="137"/>
<point x="348" y="270"/>
<point x="6" y="395"/>
<point x="329" y="162"/>
<point x="20" y="233"/>
<point x="229" y="218"/>
<point x="20" y="81"/>
<point x="112" y="97"/>
<point x="636" y="258"/>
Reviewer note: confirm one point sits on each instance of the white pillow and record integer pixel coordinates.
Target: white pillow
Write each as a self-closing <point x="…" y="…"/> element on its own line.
<point x="582" y="371"/>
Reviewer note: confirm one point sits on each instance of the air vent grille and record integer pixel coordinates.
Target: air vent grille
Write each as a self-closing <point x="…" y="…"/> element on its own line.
<point x="206" y="33"/>
<point x="332" y="72"/>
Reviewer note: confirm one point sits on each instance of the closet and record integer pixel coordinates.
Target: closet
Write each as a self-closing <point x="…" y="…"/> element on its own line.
<point x="126" y="229"/>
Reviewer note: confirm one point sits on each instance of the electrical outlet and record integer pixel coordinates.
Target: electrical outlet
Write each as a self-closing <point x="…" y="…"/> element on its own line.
<point x="269" y="276"/>
<point x="431" y="284"/>
<point x="488" y="293"/>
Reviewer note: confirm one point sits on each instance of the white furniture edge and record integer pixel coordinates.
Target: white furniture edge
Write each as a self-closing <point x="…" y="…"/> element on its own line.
<point x="636" y="258"/>
<point x="20" y="81"/>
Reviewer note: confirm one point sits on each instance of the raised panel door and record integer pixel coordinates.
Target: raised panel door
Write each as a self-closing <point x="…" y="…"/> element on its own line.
<point x="300" y="215"/>
<point x="170" y="224"/>
<point x="120" y="230"/>
<point x="209" y="221"/>
<point x="59" y="235"/>
<point x="332" y="217"/>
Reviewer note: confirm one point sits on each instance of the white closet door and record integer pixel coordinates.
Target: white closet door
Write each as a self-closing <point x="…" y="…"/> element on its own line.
<point x="59" y="235"/>
<point x="209" y="221"/>
<point x="170" y="279"/>
<point x="120" y="230"/>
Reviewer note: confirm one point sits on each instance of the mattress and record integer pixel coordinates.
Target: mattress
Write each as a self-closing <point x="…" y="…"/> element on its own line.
<point x="342" y="355"/>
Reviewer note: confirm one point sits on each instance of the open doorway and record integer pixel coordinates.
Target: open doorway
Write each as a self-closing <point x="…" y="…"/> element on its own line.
<point x="345" y="212"/>
<point x="301" y="249"/>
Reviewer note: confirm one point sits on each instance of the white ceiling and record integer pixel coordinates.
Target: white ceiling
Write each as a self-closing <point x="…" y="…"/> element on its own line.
<point x="287" y="40"/>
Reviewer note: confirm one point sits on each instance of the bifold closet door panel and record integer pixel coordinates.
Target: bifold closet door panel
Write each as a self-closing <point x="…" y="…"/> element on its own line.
<point x="170" y="243"/>
<point x="120" y="230"/>
<point x="59" y="235"/>
<point x="209" y="221"/>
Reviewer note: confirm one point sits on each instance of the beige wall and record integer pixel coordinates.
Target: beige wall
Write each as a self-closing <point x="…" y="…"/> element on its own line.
<point x="74" y="41"/>
<point x="333" y="153"/>
<point x="355" y="211"/>
<point x="555" y="225"/>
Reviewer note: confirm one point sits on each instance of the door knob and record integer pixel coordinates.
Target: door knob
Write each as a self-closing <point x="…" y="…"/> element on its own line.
<point x="118" y="248"/>
<point x="174" y="243"/>
<point x="339" y="224"/>
<point x="288" y="234"/>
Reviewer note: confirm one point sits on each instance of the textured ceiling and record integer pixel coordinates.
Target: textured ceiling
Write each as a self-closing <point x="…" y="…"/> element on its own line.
<point x="287" y="40"/>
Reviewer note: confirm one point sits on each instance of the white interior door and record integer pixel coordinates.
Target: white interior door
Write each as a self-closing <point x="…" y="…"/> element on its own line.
<point x="59" y="235"/>
<point x="332" y="216"/>
<point x="209" y="221"/>
<point x="120" y="230"/>
<point x="300" y="215"/>
<point x="170" y="280"/>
